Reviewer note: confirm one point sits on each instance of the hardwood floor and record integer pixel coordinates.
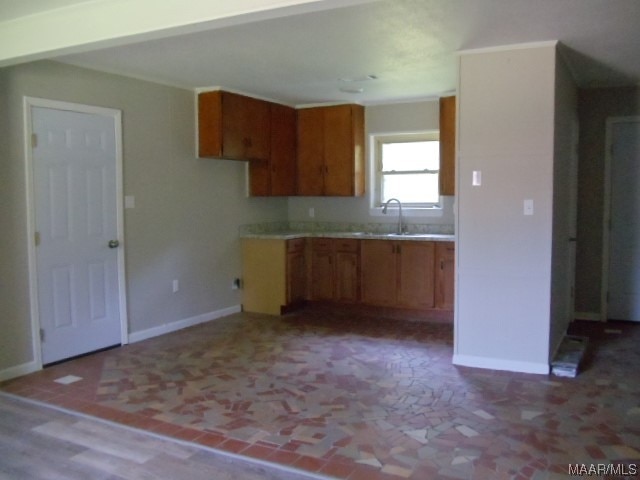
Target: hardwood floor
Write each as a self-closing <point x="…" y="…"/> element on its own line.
<point x="39" y="442"/>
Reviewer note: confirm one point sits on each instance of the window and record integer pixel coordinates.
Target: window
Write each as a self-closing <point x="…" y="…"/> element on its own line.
<point x="407" y="167"/>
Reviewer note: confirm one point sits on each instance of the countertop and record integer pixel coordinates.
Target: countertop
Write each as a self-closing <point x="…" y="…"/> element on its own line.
<point x="424" y="237"/>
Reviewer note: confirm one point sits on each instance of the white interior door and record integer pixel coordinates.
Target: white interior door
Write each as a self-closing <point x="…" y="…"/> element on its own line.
<point x="624" y="237"/>
<point x="75" y="199"/>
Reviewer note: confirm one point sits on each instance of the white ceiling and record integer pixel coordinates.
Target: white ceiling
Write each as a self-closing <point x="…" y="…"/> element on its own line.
<point x="410" y="45"/>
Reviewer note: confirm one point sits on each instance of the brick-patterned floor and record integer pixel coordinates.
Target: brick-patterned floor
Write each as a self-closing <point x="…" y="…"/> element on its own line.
<point x="358" y="396"/>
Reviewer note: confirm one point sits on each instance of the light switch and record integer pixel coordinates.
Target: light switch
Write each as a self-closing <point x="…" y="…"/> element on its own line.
<point x="476" y="178"/>
<point x="129" y="201"/>
<point x="528" y="206"/>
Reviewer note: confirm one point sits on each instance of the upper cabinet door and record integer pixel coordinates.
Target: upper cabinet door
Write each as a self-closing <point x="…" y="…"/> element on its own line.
<point x="330" y="151"/>
<point x="233" y="126"/>
<point x="210" y="124"/>
<point x="277" y="175"/>
<point x="338" y="151"/>
<point x="311" y="151"/>
<point x="447" y="145"/>
<point x="283" y="150"/>
<point x="245" y="127"/>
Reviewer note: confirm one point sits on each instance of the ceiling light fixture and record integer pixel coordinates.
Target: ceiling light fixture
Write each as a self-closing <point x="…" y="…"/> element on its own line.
<point x="352" y="90"/>
<point x="364" y="78"/>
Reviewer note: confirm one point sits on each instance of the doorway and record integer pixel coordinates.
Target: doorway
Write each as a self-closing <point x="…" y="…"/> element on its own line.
<point x="622" y="220"/>
<point x="75" y="210"/>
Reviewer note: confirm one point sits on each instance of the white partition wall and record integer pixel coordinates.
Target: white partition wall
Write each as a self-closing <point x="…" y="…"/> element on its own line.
<point x="505" y="221"/>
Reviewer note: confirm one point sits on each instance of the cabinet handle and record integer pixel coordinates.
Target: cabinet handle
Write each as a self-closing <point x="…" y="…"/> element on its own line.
<point x="441" y="264"/>
<point x="398" y="250"/>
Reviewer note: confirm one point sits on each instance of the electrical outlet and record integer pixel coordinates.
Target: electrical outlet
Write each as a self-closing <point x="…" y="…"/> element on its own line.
<point x="176" y="286"/>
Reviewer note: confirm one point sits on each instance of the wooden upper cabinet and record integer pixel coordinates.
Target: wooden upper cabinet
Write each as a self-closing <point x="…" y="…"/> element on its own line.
<point x="447" y="145"/>
<point x="277" y="175"/>
<point x="233" y="126"/>
<point x="331" y="151"/>
<point x="310" y="147"/>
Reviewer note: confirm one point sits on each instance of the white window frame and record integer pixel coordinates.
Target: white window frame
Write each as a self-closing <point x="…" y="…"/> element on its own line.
<point x="375" y="177"/>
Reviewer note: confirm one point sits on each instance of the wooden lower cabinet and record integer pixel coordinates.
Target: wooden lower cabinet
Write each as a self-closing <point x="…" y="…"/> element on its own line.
<point x="347" y="276"/>
<point x="378" y="277"/>
<point x="334" y="269"/>
<point x="322" y="269"/>
<point x="397" y="273"/>
<point x="281" y="274"/>
<point x="445" y="271"/>
<point x="415" y="288"/>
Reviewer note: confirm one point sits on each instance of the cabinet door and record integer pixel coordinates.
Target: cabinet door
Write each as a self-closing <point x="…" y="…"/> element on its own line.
<point x="347" y="277"/>
<point x="322" y="269"/>
<point x="277" y="175"/>
<point x="378" y="272"/>
<point x="445" y="269"/>
<point x="338" y="151"/>
<point x="245" y="127"/>
<point x="259" y="178"/>
<point x="415" y="274"/>
<point x="283" y="150"/>
<point x="447" y="145"/>
<point x="310" y="168"/>
<point x="210" y="124"/>
<point x="347" y="269"/>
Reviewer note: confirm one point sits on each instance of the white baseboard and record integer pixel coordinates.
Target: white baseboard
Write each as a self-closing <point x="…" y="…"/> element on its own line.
<point x="593" y="316"/>
<point x="501" y="364"/>
<point x="180" y="324"/>
<point x="18" y="371"/>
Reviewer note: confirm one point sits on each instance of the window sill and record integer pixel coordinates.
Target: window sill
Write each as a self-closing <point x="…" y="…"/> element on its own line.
<point x="408" y="212"/>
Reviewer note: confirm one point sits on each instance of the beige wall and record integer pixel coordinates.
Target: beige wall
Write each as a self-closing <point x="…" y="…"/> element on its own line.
<point x="503" y="258"/>
<point x="188" y="210"/>
<point x="595" y="106"/>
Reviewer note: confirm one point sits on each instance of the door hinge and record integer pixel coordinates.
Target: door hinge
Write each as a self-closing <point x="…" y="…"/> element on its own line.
<point x="37" y="238"/>
<point x="42" y="335"/>
<point x="34" y="140"/>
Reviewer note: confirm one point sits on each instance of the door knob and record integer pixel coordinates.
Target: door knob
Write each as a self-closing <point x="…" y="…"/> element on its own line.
<point x="114" y="243"/>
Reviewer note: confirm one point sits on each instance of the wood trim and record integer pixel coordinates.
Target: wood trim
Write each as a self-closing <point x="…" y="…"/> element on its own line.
<point x="447" y="145"/>
<point x="210" y="124"/>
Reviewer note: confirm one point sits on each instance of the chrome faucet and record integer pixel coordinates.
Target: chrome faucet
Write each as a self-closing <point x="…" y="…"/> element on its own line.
<point x="384" y="210"/>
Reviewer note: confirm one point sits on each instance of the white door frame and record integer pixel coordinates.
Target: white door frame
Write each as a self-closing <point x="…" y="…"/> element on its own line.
<point x="606" y="217"/>
<point x="116" y="115"/>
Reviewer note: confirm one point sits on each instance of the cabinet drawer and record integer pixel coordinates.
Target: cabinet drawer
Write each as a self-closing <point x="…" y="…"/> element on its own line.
<point x="295" y="245"/>
<point x="448" y="247"/>
<point x="321" y="244"/>
<point x="347" y="245"/>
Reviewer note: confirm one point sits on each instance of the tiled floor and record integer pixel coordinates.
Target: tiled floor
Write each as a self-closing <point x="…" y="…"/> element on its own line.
<point x="358" y="396"/>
